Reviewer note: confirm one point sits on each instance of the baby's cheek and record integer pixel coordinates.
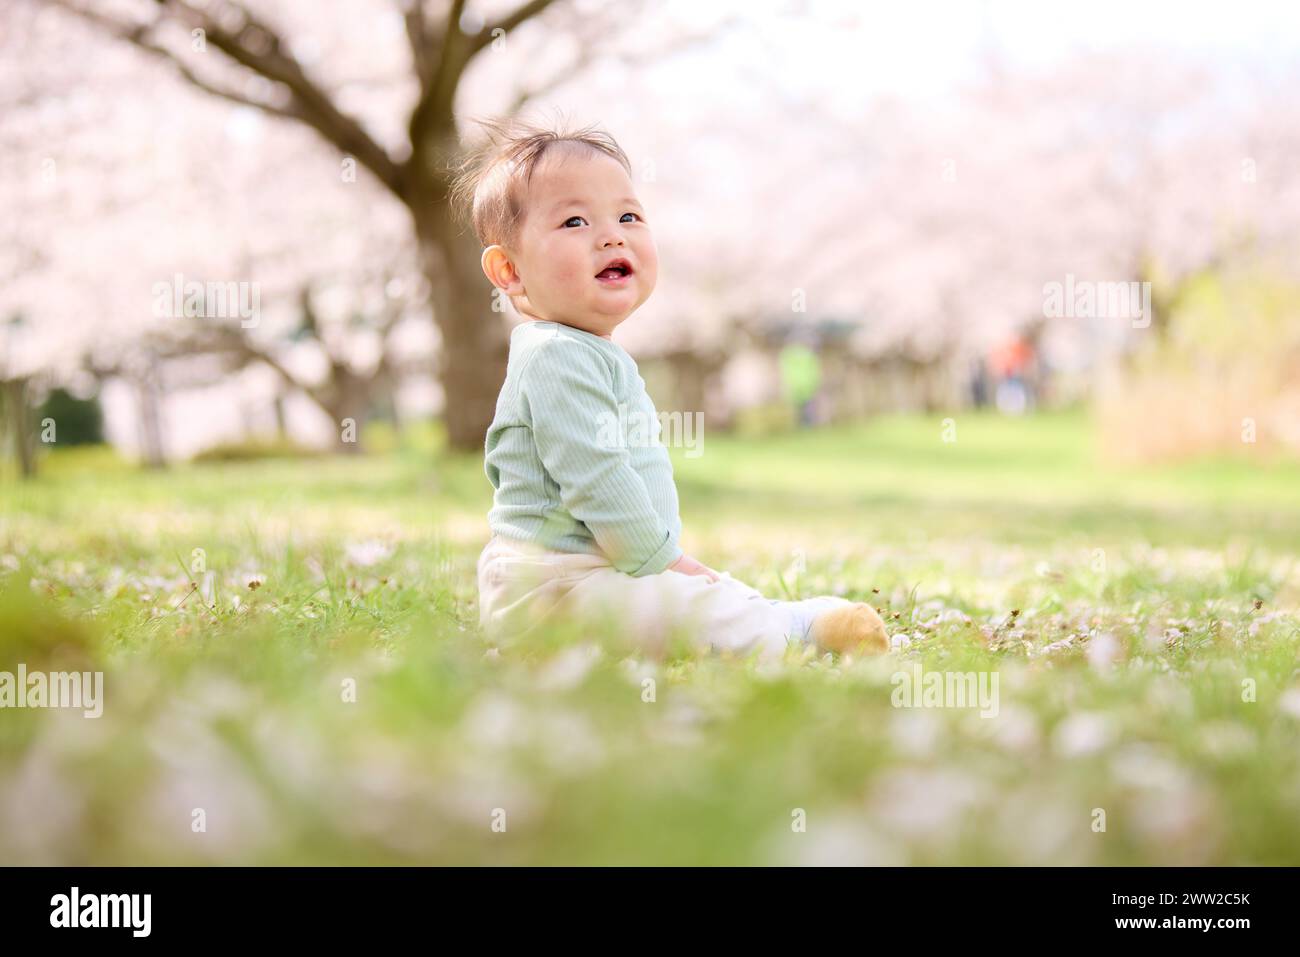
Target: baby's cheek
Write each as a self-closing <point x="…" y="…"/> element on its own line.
<point x="568" y="274"/>
<point x="649" y="272"/>
<point x="648" y="258"/>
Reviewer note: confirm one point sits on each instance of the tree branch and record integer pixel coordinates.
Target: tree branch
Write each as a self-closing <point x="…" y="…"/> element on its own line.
<point x="235" y="341"/>
<point x="454" y="53"/>
<point x="507" y="23"/>
<point x="417" y="36"/>
<point x="451" y="61"/>
<point x="256" y="46"/>
<point x="589" y="45"/>
<point x="139" y="36"/>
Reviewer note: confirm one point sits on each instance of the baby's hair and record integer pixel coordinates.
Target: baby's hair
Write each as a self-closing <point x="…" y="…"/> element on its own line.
<point x="489" y="186"/>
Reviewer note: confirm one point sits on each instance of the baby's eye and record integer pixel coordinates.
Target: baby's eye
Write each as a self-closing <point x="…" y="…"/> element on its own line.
<point x="620" y="219"/>
<point x="572" y="218"/>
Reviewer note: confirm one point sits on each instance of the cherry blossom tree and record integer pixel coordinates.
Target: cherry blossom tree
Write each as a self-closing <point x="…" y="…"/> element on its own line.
<point x="390" y="111"/>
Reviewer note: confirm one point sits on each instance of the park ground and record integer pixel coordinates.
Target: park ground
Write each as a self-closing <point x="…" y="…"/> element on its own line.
<point x="293" y="671"/>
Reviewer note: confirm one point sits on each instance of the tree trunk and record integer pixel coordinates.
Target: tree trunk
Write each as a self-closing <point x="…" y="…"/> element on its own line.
<point x="472" y="356"/>
<point x="348" y="404"/>
<point x="20" y="418"/>
<point x="149" y="388"/>
<point x="472" y="363"/>
<point x="281" y="419"/>
<point x="384" y="391"/>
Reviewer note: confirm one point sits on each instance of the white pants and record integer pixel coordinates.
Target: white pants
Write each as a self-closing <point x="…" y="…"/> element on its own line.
<point x="523" y="587"/>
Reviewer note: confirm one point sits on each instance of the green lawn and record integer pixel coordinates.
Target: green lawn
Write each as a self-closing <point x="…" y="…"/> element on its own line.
<point x="1125" y="612"/>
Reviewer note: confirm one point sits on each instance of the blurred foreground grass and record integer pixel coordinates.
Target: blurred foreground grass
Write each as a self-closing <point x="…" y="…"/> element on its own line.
<point x="1126" y="613"/>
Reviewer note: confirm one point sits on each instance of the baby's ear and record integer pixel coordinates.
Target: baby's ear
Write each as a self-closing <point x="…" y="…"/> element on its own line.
<point x="501" y="271"/>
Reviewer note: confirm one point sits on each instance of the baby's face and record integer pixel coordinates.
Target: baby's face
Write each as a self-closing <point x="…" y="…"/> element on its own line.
<point x="581" y="217"/>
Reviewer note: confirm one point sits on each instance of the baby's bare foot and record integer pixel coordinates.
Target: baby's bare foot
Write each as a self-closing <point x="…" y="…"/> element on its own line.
<point x="852" y="628"/>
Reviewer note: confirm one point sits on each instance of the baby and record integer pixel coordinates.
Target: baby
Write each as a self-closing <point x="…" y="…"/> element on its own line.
<point x="584" y="521"/>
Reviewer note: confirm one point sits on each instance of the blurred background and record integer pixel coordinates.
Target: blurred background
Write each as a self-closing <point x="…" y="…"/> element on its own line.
<point x="225" y="229"/>
<point x="991" y="311"/>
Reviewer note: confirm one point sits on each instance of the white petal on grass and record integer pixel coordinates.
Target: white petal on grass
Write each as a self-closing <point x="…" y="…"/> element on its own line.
<point x="474" y="786"/>
<point x="294" y="751"/>
<point x="197" y="769"/>
<point x="367" y="553"/>
<point x="1036" y="825"/>
<point x="1015" y="729"/>
<point x="1180" y="826"/>
<point x="568" y="741"/>
<point x="568" y="669"/>
<point x="1169" y="694"/>
<point x="382" y="791"/>
<point x="637" y="670"/>
<point x="1153" y="639"/>
<point x="835" y="839"/>
<point x="1055" y="647"/>
<point x="1103" y="651"/>
<point x="1265" y="619"/>
<point x="682" y="723"/>
<point x="496" y="720"/>
<point x="916" y="733"/>
<point x="1147" y="767"/>
<point x="1226" y="739"/>
<point x="1289" y="702"/>
<point x="1082" y="733"/>
<point x="926" y="804"/>
<point x="217" y="696"/>
<point x="50" y="806"/>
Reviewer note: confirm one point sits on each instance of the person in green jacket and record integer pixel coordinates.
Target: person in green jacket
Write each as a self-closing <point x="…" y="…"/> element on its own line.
<point x="801" y="377"/>
<point x="584" y="518"/>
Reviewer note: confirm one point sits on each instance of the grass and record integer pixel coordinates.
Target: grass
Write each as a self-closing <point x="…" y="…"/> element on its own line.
<point x="1141" y="623"/>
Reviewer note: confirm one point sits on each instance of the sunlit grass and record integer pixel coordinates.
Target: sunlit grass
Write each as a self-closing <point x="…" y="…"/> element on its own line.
<point x="1125" y="612"/>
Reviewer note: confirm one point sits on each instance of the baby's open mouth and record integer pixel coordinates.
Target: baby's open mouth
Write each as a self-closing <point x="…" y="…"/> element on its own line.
<point x="615" y="271"/>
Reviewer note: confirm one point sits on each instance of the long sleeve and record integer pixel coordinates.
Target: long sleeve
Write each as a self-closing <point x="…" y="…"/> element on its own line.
<point x="569" y="402"/>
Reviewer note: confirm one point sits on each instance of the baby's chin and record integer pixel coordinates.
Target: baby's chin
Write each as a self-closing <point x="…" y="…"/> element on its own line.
<point x="601" y="325"/>
<point x="597" y="322"/>
<point x="619" y="305"/>
<point x="601" y="315"/>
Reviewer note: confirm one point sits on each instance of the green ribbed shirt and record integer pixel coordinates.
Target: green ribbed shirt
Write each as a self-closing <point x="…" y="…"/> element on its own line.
<point x="574" y="456"/>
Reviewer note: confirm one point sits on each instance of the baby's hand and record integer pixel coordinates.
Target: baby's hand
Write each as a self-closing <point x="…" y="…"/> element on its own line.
<point x="689" y="566"/>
